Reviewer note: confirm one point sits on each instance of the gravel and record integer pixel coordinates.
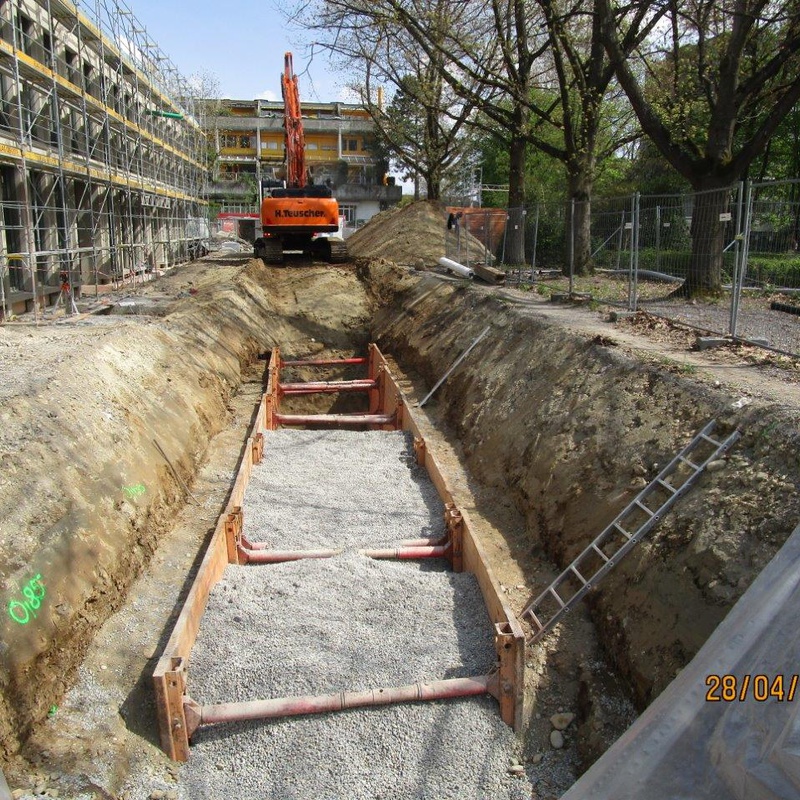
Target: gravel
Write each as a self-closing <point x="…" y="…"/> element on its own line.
<point x="355" y="490"/>
<point x="346" y="623"/>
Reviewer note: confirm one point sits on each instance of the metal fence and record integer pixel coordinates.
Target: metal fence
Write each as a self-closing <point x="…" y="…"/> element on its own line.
<point x="642" y="249"/>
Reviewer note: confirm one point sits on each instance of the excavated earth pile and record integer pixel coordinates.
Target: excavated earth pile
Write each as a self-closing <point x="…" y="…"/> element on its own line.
<point x="121" y="437"/>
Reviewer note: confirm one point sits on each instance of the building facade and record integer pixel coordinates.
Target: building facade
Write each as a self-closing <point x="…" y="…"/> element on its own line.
<point x="249" y="145"/>
<point x="102" y="161"/>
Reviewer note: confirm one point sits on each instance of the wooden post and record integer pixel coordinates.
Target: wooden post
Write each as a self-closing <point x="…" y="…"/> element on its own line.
<point x="233" y="528"/>
<point x="257" y="448"/>
<point x="170" y="684"/>
<point x="454" y="522"/>
<point x="419" y="450"/>
<point x="510" y="650"/>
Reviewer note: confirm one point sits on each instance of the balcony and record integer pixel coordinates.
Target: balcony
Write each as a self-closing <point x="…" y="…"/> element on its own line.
<point x="357" y="192"/>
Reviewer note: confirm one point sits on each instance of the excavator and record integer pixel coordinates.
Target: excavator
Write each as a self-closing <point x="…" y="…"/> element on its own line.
<point x="294" y="216"/>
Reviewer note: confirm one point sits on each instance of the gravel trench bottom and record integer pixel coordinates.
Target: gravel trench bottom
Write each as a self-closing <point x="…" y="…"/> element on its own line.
<point x="345" y="623"/>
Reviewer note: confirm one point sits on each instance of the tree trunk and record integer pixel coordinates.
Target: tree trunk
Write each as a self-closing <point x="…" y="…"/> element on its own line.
<point x="515" y="233"/>
<point x="579" y="185"/>
<point x="708" y="242"/>
<point x="433" y="182"/>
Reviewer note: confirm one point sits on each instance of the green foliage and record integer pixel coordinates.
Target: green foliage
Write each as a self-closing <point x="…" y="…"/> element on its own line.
<point x="774" y="269"/>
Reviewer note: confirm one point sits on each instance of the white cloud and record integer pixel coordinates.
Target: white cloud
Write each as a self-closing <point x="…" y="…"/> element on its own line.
<point x="267" y="94"/>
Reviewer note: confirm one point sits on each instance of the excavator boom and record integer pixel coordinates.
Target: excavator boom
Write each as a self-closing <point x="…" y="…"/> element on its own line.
<point x="293" y="127"/>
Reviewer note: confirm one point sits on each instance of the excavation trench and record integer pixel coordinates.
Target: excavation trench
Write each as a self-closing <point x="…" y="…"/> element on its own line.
<point x="545" y="433"/>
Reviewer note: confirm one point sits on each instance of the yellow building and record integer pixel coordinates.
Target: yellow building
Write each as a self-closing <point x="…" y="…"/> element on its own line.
<point x="250" y="157"/>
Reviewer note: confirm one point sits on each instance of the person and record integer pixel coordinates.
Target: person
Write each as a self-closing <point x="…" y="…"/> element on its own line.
<point x="453" y="220"/>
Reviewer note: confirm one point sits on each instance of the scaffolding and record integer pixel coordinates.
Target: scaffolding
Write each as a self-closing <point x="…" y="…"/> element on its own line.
<point x="102" y="153"/>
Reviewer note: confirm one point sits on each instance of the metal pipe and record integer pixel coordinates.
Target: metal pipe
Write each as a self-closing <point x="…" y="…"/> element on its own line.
<point x="262" y="555"/>
<point x="324" y="387"/>
<point x="409" y="553"/>
<point x="197" y="715"/>
<point x="335" y="420"/>
<point x="324" y="362"/>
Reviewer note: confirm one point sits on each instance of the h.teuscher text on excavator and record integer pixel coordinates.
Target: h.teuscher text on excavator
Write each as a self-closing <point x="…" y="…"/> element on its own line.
<point x="307" y="212"/>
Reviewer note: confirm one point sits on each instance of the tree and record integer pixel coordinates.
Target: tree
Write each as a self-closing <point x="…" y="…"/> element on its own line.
<point x="423" y="125"/>
<point x="709" y="93"/>
<point x="545" y="60"/>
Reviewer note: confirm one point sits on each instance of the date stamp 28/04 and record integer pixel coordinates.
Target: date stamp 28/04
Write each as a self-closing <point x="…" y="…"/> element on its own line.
<point x="730" y="688"/>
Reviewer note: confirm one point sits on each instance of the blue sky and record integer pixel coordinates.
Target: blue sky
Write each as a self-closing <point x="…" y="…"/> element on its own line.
<point x="242" y="44"/>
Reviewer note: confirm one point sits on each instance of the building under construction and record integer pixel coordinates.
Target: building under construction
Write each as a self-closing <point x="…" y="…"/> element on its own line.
<point x="101" y="154"/>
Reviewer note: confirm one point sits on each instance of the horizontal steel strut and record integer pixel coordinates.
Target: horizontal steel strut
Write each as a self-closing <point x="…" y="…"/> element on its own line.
<point x="265" y="556"/>
<point x="323" y="362"/>
<point x="326" y="387"/>
<point x="197" y="715"/>
<point x="409" y="553"/>
<point x="335" y="420"/>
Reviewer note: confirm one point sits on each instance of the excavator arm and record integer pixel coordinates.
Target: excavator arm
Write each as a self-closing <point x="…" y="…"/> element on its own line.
<point x="293" y="127"/>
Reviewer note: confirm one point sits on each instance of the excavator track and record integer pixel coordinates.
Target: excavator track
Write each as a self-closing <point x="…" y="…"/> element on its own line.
<point x="270" y="251"/>
<point x="339" y="252"/>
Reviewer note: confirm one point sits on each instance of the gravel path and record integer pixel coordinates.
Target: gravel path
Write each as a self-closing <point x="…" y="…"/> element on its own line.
<point x="354" y="489"/>
<point x="346" y="623"/>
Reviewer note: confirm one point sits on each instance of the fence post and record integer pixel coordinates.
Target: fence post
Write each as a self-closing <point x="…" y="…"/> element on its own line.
<point x="487" y="238"/>
<point x="658" y="238"/>
<point x="745" y="251"/>
<point x="633" y="279"/>
<point x="535" y="240"/>
<point x="621" y="238"/>
<point x="737" y="256"/>
<point x="571" y="245"/>
<point x="505" y="235"/>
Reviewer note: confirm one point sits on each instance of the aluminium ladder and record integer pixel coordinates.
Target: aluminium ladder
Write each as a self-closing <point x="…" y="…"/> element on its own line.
<point x="608" y="549"/>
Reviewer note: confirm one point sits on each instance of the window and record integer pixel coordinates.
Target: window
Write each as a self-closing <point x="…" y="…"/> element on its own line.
<point x="350" y="145"/>
<point x="349" y="213"/>
<point x="312" y="146"/>
<point x="24" y="32"/>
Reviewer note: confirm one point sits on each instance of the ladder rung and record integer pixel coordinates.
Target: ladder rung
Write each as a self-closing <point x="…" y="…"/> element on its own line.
<point x="644" y="508"/>
<point x="690" y="463"/>
<point x="710" y="440"/>
<point x="555" y="594"/>
<point x="536" y="621"/>
<point x="600" y="552"/>
<point x="622" y="530"/>
<point x="577" y="574"/>
<point x="668" y="486"/>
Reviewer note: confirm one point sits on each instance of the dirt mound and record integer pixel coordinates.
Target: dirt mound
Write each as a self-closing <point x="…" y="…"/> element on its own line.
<point x="415" y="235"/>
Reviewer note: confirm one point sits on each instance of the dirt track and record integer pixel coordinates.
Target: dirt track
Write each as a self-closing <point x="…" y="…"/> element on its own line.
<point x="557" y="419"/>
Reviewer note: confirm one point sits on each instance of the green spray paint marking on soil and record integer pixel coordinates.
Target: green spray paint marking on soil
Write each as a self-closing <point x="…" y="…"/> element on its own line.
<point x="134" y="491"/>
<point x="21" y="611"/>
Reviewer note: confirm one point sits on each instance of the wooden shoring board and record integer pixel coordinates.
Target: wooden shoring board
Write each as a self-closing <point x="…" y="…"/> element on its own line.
<point x="509" y="636"/>
<point x="169" y="677"/>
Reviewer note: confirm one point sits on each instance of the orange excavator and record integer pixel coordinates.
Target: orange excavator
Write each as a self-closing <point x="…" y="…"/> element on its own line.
<point x="294" y="216"/>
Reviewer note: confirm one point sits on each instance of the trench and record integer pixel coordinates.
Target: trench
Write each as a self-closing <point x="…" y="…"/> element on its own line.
<point x="545" y="434"/>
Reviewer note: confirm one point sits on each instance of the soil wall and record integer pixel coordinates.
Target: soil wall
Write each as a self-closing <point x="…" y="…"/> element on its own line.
<point x="100" y="440"/>
<point x="572" y="428"/>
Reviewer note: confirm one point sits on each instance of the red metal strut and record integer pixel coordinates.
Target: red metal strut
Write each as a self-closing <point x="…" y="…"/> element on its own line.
<point x="197" y="715"/>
